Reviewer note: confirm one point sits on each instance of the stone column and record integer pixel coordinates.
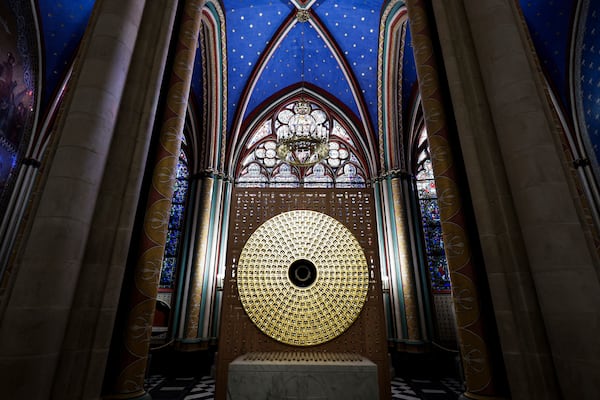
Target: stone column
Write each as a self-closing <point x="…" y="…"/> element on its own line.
<point x="406" y="308"/>
<point x="198" y="276"/>
<point x="481" y="380"/>
<point x="200" y="289"/>
<point x="90" y="327"/>
<point x="542" y="268"/>
<point x="200" y="297"/>
<point x="407" y="277"/>
<point x="49" y="257"/>
<point x="129" y="383"/>
<point x="13" y="215"/>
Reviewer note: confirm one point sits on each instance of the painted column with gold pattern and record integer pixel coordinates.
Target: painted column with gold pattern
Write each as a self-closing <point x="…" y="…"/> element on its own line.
<point x="406" y="330"/>
<point x="481" y="380"/>
<point x="409" y="287"/>
<point x="129" y="383"/>
<point x="201" y="296"/>
<point x="405" y="312"/>
<point x="198" y="275"/>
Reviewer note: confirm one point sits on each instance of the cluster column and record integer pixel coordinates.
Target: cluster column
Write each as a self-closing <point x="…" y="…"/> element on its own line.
<point x="534" y="229"/>
<point x="481" y="380"/>
<point x="129" y="383"/>
<point x="49" y="256"/>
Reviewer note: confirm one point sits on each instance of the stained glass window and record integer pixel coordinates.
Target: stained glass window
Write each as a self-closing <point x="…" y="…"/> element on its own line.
<point x="167" y="275"/>
<point x="430" y="220"/>
<point x="260" y="166"/>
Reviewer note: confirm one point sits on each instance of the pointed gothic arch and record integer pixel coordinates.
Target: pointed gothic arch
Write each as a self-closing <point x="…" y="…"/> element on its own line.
<point x="338" y="113"/>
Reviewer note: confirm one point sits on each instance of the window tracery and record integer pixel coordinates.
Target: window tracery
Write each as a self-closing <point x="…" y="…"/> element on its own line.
<point x="261" y="166"/>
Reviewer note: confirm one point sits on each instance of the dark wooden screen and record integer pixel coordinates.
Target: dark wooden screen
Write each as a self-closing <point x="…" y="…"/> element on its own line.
<point x="355" y="209"/>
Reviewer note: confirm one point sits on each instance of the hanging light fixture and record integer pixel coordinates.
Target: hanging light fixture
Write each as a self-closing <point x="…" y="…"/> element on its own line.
<point x="303" y="138"/>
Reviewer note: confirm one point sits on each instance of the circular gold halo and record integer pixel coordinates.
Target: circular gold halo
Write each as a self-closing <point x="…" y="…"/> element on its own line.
<point x="302" y="316"/>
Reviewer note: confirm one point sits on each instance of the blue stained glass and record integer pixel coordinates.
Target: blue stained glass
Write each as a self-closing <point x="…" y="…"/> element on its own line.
<point x="438" y="269"/>
<point x="175" y="223"/>
<point x="168" y="272"/>
<point x="182" y="170"/>
<point x="172" y="241"/>
<point x="433" y="240"/>
<point x="177" y="210"/>
<point x="432" y="230"/>
<point x="180" y="193"/>
<point x="182" y="156"/>
<point x="426" y="188"/>
<point x="176" y="217"/>
<point x="176" y="214"/>
<point x="430" y="212"/>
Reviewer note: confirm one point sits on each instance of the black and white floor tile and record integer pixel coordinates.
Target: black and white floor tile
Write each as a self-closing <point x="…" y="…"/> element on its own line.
<point x="183" y="388"/>
<point x="153" y="381"/>
<point x="162" y="388"/>
<point x="204" y="389"/>
<point x="425" y="389"/>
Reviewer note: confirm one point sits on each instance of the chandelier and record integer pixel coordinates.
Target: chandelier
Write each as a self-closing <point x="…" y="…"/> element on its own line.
<point x="303" y="137"/>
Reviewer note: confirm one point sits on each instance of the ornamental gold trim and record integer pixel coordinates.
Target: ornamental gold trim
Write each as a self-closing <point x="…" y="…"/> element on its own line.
<point x="295" y="314"/>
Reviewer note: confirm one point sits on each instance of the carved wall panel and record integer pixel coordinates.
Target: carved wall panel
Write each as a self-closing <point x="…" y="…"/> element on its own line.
<point x="344" y="231"/>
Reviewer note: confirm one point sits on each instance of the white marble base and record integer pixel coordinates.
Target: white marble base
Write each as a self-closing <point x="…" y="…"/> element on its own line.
<point x="273" y="376"/>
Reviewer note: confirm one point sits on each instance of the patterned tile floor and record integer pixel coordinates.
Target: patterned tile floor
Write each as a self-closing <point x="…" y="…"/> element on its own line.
<point x="204" y="388"/>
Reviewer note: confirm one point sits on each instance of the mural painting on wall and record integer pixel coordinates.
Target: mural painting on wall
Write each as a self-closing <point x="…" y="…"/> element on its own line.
<point x="17" y="89"/>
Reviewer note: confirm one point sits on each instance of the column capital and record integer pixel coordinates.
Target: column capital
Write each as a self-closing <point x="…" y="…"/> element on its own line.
<point x="394" y="173"/>
<point x="211" y="173"/>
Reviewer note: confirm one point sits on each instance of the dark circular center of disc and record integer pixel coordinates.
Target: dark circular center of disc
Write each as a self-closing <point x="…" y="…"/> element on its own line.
<point x="302" y="273"/>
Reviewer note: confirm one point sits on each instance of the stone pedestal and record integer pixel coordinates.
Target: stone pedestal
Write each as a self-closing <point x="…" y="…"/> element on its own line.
<point x="302" y="376"/>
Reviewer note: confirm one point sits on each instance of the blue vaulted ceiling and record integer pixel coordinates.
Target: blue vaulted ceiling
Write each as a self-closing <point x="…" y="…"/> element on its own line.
<point x="62" y="23"/>
<point x="565" y="36"/>
<point x="341" y="34"/>
<point x="355" y="27"/>
<point x="284" y="68"/>
<point x="409" y="78"/>
<point x="588" y="74"/>
<point x="351" y="29"/>
<point x="250" y="29"/>
<point x="550" y="25"/>
<point x="269" y="50"/>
